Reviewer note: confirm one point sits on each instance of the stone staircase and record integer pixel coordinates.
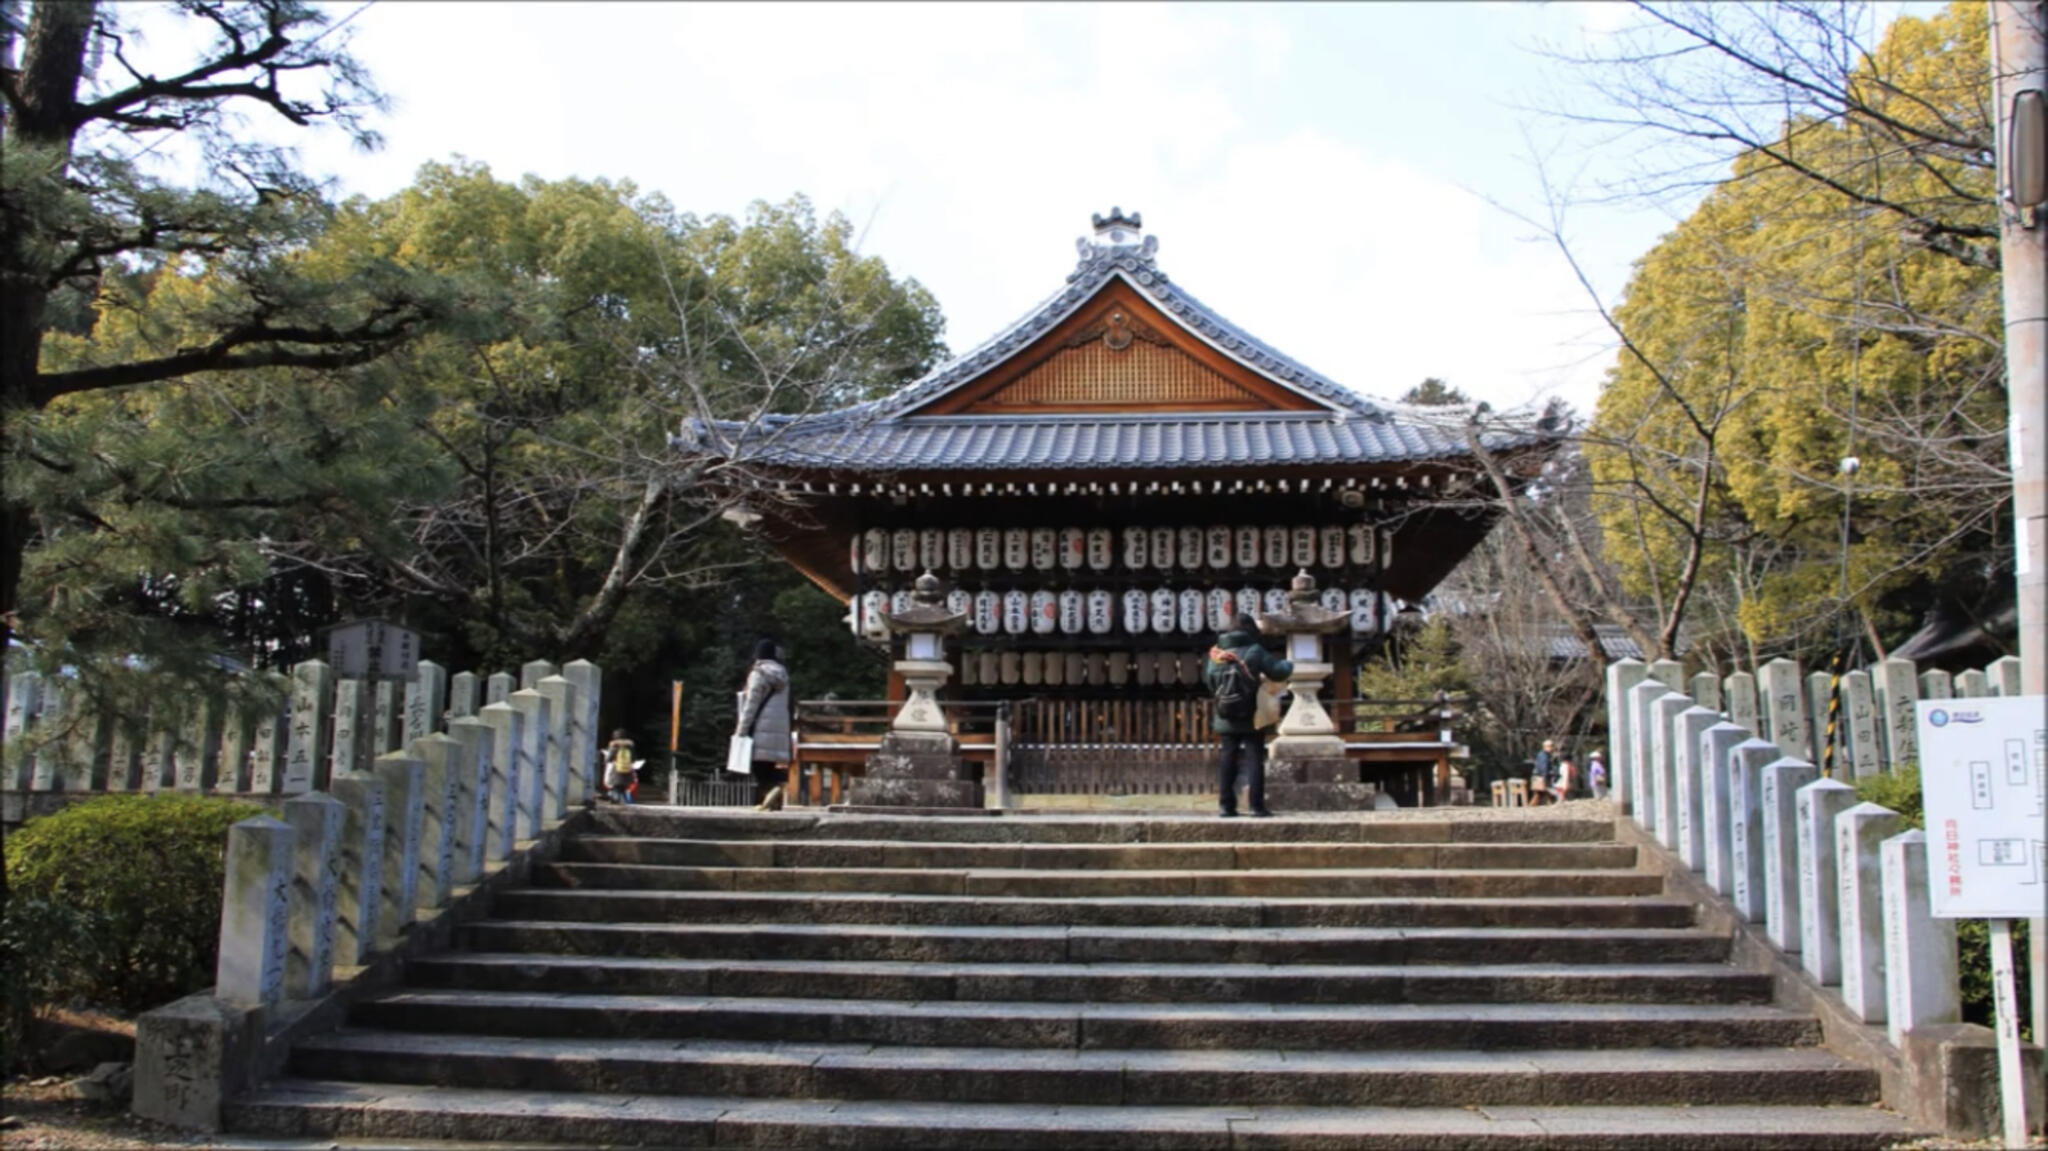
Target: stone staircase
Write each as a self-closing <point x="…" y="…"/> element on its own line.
<point x="687" y="978"/>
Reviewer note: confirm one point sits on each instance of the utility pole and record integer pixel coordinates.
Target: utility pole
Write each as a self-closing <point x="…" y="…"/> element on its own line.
<point x="2019" y="85"/>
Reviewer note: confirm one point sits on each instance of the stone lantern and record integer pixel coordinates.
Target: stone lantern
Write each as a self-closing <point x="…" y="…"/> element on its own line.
<point x="1307" y="769"/>
<point x="918" y="763"/>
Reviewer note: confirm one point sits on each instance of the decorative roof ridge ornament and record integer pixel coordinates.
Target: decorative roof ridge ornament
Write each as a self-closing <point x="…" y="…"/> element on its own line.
<point x="1119" y="242"/>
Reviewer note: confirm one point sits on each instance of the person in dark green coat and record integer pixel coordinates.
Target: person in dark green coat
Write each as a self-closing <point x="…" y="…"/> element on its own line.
<point x="1242" y="742"/>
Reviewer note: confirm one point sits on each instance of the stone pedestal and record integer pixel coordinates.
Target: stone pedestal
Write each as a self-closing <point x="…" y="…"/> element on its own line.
<point x="917" y="769"/>
<point x="1306" y="769"/>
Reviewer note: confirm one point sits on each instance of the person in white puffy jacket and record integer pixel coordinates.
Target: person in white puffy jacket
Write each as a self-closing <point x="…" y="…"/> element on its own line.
<point x="764" y="714"/>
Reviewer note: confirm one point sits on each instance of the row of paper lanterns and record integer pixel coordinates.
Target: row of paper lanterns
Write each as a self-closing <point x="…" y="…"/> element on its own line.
<point x="1043" y="549"/>
<point x="1080" y="669"/>
<point x="1162" y="611"/>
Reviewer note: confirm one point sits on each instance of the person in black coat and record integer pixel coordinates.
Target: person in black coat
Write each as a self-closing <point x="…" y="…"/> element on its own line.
<point x="1243" y="744"/>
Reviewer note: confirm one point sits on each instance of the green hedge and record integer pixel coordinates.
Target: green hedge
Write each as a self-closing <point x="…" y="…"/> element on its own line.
<point x="1900" y="791"/>
<point x="139" y="877"/>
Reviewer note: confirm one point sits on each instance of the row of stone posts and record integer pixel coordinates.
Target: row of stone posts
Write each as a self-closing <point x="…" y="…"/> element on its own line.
<point x="1734" y="794"/>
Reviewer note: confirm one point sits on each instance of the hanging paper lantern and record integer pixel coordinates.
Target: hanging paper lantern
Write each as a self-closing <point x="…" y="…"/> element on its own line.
<point x="1044" y="548"/>
<point x="1077" y="667"/>
<point x="1247" y="547"/>
<point x="1016" y="612"/>
<point x="1055" y="669"/>
<point x="904" y="549"/>
<point x="988" y="549"/>
<point x="1045" y="612"/>
<point x="1191" y="547"/>
<point x="1136" y="548"/>
<point x="1116" y="668"/>
<point x="1101" y="548"/>
<point x="988" y="612"/>
<point x="853" y="611"/>
<point x="931" y="549"/>
<point x="873" y="606"/>
<point x="1033" y="666"/>
<point x="1162" y="549"/>
<point x="959" y="549"/>
<point x="1073" y="548"/>
<point x="1101" y="612"/>
<point x="900" y="602"/>
<point x="853" y="560"/>
<point x="1276" y="547"/>
<point x="1012" y="665"/>
<point x="1147" y="668"/>
<point x="1073" y="611"/>
<point x="1333" y="547"/>
<point x="959" y="602"/>
<point x="1364" y="610"/>
<point x="1335" y="600"/>
<point x="1137" y="612"/>
<point x="1222" y="605"/>
<point x="1016" y="549"/>
<point x="1219" y="547"/>
<point x="1249" y="601"/>
<point x="1276" y="600"/>
<point x="1304" y="551"/>
<point x="1360" y="538"/>
<point x="874" y="550"/>
<point x="970" y="669"/>
<point x="1164" y="603"/>
<point x="991" y="667"/>
<point x="1194" y="611"/>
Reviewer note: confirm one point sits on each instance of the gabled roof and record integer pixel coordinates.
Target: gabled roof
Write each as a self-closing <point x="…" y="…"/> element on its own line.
<point x="1270" y="410"/>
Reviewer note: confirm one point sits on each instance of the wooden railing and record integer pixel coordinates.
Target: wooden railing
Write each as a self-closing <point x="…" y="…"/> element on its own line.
<point x="835" y="737"/>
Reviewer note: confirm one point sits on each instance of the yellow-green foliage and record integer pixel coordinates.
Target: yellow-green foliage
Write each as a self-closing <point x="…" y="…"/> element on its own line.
<point x="150" y="867"/>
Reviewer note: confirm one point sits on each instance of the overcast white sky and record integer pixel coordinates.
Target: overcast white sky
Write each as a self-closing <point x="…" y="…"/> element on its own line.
<point x="1318" y="173"/>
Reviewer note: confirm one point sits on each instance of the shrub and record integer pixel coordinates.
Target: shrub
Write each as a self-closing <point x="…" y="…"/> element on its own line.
<point x="149" y="868"/>
<point x="1900" y="791"/>
<point x="42" y="944"/>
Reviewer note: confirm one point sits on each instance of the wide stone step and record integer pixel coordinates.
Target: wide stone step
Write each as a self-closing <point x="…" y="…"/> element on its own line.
<point x="1110" y="1078"/>
<point x="1471" y="826"/>
<point x="958" y="910"/>
<point x="1291" y="1027"/>
<point x="1097" y="983"/>
<point x="1065" y="882"/>
<point x="315" y="1108"/>
<point x="1267" y="945"/>
<point x="870" y="854"/>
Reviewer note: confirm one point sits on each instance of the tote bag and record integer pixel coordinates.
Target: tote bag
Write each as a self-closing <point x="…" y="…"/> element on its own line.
<point x="739" y="757"/>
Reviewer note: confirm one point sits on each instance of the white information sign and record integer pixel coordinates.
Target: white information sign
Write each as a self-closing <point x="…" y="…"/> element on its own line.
<point x="1981" y="778"/>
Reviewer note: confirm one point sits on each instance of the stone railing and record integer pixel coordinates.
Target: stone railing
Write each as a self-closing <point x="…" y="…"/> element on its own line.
<point x="1720" y="773"/>
<point x="365" y="858"/>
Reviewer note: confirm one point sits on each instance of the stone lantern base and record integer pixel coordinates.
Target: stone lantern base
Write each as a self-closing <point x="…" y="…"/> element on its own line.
<point x="1314" y="775"/>
<point x="916" y="769"/>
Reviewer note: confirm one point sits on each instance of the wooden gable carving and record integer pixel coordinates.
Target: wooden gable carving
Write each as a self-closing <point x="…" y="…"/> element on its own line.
<point x="1118" y="353"/>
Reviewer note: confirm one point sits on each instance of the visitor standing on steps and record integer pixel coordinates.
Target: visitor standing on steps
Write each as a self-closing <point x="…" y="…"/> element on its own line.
<point x="1543" y="776"/>
<point x="620" y="770"/>
<point x="764" y="715"/>
<point x="1233" y="673"/>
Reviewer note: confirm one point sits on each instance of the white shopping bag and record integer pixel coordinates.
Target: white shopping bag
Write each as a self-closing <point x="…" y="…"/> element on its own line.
<point x="739" y="758"/>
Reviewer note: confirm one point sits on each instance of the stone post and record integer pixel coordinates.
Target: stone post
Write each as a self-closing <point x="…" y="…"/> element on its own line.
<point x="48" y="752"/>
<point x="1820" y="887"/>
<point x="1901" y="720"/>
<point x="1861" y="709"/>
<point x="389" y="727"/>
<point x="508" y="731"/>
<point x="1642" y="721"/>
<point x="405" y="798"/>
<point x="272" y="740"/>
<point x="1622" y="675"/>
<point x="124" y="754"/>
<point x="1920" y="976"/>
<point x="1668" y="672"/>
<point x="474" y="798"/>
<point x="255" y="907"/>
<point x="1971" y="684"/>
<point x="532" y="672"/>
<point x="1717" y="749"/>
<point x="426" y="701"/>
<point x="1705" y="689"/>
<point x="1746" y="826"/>
<point x="160" y="760"/>
<point x="24" y="701"/>
<point x="318" y="823"/>
<point x="237" y="734"/>
<point x="197" y="756"/>
<point x="499" y="688"/>
<point x="583" y="729"/>
<point x="1740" y="692"/>
<point x="1782" y="780"/>
<point x="563" y="771"/>
<point x="1819" y="689"/>
<point x="1936" y="684"/>
<point x="351" y="704"/>
<point x="441" y="782"/>
<point x="306" y="756"/>
<point x="1664" y="741"/>
<point x="362" y="867"/>
<point x="1689" y="826"/>
<point x="1858" y="832"/>
<point x="1788" y="714"/>
<point x="2003" y="675"/>
<point x="462" y="695"/>
<point x="539" y="802"/>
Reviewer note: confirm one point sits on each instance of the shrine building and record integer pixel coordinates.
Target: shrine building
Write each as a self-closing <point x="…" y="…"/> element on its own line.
<point x="1104" y="485"/>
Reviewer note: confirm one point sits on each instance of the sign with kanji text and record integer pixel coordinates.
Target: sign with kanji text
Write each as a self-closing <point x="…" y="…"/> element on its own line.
<point x="373" y="649"/>
<point x="1982" y="762"/>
